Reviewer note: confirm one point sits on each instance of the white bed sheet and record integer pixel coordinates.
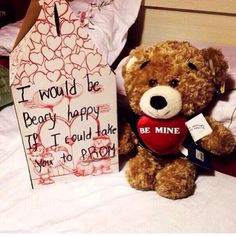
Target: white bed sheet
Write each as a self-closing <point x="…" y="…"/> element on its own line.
<point x="103" y="203"/>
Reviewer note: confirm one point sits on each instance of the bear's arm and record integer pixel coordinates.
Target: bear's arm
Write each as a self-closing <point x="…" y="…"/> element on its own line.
<point x="127" y="138"/>
<point x="220" y="141"/>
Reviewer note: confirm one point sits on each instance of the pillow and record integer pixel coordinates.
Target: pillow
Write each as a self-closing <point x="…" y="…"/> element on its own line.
<point x="107" y="21"/>
<point x="7" y="37"/>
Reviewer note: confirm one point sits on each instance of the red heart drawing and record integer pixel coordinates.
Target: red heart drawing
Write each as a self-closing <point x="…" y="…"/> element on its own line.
<point x="70" y="41"/>
<point x="67" y="28"/>
<point x="162" y="136"/>
<point x="77" y="59"/>
<point x="89" y="45"/>
<point x="93" y="60"/>
<point x="55" y="64"/>
<point x="82" y="33"/>
<point x="43" y="27"/>
<point x="39" y="76"/>
<point x="47" y="52"/>
<point x="36" y="58"/>
<point x="79" y="73"/>
<point x="36" y="37"/>
<point x="30" y="69"/>
<point x="53" y="42"/>
<point x="54" y="76"/>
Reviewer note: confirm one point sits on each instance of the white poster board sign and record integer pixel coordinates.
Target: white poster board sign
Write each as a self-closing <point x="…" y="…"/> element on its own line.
<point x="65" y="99"/>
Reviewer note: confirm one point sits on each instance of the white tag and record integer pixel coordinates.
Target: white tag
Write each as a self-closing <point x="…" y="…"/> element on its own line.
<point x="199" y="155"/>
<point x="198" y="127"/>
<point x="183" y="150"/>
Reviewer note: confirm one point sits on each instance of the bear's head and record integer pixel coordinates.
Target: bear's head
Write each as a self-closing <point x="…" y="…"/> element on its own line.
<point x="172" y="78"/>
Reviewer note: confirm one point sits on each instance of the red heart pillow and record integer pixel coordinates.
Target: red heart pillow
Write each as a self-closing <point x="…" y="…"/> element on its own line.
<point x="162" y="136"/>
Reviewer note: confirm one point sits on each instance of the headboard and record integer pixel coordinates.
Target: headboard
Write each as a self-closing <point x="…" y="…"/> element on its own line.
<point x="212" y="21"/>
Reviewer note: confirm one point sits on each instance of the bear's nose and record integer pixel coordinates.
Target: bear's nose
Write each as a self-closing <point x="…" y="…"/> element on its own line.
<point x="158" y="102"/>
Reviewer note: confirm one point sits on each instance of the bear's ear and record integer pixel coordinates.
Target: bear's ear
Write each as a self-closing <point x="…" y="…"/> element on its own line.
<point x="217" y="65"/>
<point x="129" y="63"/>
<point x="137" y="58"/>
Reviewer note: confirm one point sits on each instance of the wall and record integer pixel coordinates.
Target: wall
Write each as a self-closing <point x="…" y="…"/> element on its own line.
<point x="213" y="21"/>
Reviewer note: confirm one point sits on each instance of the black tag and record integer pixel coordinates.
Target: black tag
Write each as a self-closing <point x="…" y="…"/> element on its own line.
<point x="196" y="154"/>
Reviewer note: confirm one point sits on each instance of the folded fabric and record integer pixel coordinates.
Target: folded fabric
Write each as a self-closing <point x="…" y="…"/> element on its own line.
<point x="7" y="37"/>
<point x="106" y="21"/>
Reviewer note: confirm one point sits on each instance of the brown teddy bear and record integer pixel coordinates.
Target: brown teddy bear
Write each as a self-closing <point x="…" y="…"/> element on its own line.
<point x="166" y="85"/>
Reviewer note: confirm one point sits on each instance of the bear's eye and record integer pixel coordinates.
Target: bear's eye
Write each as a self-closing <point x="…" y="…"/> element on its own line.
<point x="144" y="63"/>
<point x="173" y="83"/>
<point x="152" y="82"/>
<point x="192" y="66"/>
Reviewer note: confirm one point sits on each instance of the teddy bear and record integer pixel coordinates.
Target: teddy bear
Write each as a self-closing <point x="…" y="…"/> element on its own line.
<point x="167" y="85"/>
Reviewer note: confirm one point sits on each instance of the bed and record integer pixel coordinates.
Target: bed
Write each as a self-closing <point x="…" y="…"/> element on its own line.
<point x="106" y="203"/>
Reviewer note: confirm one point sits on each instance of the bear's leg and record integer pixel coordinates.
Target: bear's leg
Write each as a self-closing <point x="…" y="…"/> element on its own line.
<point x="220" y="141"/>
<point x="176" y="179"/>
<point x="141" y="170"/>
